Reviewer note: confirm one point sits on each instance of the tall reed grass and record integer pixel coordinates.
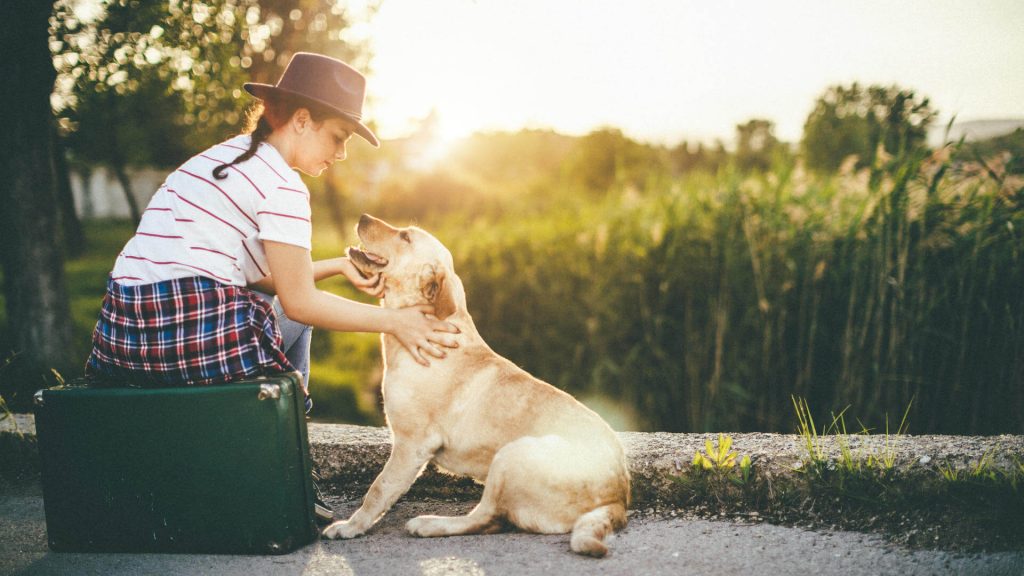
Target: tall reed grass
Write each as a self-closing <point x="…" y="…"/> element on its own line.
<point x="706" y="302"/>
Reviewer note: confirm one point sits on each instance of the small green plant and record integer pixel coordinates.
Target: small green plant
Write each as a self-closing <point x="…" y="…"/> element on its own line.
<point x="982" y="471"/>
<point x="716" y="477"/>
<point x="864" y="477"/>
<point x="808" y="431"/>
<point x="849" y="461"/>
<point x="745" y="469"/>
<point x="4" y="410"/>
<point x="717" y="457"/>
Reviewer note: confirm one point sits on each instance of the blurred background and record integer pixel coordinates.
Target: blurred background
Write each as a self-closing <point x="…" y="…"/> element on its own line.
<point x="686" y="215"/>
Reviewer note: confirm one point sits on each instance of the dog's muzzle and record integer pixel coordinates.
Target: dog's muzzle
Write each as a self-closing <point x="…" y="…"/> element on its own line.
<point x="367" y="263"/>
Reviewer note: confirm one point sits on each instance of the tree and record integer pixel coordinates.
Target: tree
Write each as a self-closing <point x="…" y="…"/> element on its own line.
<point x="756" y="144"/>
<point x="33" y="264"/>
<point x="606" y="159"/>
<point x="150" y="83"/>
<point x="685" y="158"/>
<point x="185" y="62"/>
<point x="854" y="121"/>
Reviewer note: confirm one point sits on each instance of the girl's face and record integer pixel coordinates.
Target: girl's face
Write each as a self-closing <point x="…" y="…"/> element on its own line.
<point x="321" y="144"/>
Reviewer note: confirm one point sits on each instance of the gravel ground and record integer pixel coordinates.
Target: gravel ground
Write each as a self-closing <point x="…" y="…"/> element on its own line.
<point x="655" y="542"/>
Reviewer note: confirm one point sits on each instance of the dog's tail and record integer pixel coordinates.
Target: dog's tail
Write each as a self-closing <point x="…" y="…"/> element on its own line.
<point x="590" y="530"/>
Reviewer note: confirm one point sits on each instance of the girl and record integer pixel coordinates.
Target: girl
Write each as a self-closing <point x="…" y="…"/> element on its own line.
<point x="190" y="299"/>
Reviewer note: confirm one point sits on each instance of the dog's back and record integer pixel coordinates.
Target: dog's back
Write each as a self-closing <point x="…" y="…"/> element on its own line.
<point x="550" y="464"/>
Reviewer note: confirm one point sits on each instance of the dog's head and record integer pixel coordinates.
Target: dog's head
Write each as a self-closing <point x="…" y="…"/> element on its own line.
<point x="414" y="266"/>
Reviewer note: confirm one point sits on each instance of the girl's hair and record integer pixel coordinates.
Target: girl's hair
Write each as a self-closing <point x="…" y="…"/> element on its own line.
<point x="267" y="115"/>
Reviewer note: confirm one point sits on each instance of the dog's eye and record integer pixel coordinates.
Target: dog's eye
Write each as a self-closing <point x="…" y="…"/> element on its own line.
<point x="405" y="236"/>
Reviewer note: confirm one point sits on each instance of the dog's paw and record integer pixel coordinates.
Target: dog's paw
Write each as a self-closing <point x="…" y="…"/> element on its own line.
<point x="424" y="527"/>
<point x="416" y="525"/>
<point x="341" y="529"/>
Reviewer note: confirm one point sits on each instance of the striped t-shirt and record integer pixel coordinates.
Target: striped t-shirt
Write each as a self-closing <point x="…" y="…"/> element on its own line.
<point x="196" y="225"/>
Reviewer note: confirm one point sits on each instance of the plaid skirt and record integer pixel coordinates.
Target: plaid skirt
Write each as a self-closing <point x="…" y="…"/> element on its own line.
<point x="184" y="332"/>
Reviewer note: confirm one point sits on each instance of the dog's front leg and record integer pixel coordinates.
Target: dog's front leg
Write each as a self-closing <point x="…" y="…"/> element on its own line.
<point x="407" y="460"/>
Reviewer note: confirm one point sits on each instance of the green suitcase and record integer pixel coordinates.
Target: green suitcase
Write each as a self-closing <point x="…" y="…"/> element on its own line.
<point x="211" y="469"/>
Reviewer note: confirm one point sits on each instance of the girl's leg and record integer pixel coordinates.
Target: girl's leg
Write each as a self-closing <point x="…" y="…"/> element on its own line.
<point x="295" y="341"/>
<point x="296" y="338"/>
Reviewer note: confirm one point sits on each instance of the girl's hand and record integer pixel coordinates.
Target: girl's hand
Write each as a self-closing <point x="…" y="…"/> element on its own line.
<point x="418" y="330"/>
<point x="372" y="285"/>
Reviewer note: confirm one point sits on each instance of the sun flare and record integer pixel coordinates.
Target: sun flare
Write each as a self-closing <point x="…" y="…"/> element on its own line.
<point x="664" y="71"/>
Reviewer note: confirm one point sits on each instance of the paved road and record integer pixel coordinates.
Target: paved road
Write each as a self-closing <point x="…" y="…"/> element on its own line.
<point x="647" y="546"/>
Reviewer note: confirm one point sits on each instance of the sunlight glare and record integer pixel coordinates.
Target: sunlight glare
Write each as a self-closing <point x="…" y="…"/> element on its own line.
<point x="667" y="70"/>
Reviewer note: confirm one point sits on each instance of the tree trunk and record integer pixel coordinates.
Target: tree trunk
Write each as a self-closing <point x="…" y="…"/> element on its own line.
<point x="74" y="237"/>
<point x="129" y="194"/>
<point x="38" y="317"/>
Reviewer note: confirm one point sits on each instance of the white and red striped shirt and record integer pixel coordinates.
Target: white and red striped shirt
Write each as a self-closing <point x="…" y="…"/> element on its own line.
<point x="196" y="225"/>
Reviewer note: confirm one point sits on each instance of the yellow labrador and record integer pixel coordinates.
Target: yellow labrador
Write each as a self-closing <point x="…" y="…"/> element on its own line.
<point x="549" y="464"/>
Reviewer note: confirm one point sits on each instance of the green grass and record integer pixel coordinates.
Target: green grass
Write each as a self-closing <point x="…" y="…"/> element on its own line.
<point x="85" y="280"/>
<point x="705" y="302"/>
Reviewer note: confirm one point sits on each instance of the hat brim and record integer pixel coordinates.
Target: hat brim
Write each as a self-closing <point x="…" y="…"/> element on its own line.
<point x="262" y="91"/>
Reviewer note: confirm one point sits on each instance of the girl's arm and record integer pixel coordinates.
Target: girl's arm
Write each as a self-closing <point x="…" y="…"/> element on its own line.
<point x="321" y="269"/>
<point x="415" y="327"/>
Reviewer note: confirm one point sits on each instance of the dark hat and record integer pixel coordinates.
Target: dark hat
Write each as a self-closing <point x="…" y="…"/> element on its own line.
<point x="325" y="81"/>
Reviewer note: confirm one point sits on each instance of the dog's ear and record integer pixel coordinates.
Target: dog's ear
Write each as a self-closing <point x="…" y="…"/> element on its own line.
<point x="444" y="304"/>
<point x="437" y="290"/>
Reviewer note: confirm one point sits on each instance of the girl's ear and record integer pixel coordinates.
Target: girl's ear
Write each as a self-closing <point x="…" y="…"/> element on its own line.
<point x="301" y="119"/>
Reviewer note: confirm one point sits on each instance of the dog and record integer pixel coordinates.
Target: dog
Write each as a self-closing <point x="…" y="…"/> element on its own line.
<point x="549" y="464"/>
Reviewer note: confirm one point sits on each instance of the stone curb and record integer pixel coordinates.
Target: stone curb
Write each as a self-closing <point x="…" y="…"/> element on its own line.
<point x="349" y="457"/>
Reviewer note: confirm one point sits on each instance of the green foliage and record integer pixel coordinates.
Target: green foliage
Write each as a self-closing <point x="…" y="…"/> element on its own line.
<point x="152" y="82"/>
<point x="1002" y="153"/>
<point x="686" y="158"/>
<point x="982" y="485"/>
<point x="984" y="472"/>
<point x="757" y="146"/>
<point x="714" y="478"/>
<point x="716" y="456"/>
<point x="854" y="474"/>
<point x="718" y="460"/>
<point x="606" y="160"/>
<point x="704" y="300"/>
<point x="857" y="121"/>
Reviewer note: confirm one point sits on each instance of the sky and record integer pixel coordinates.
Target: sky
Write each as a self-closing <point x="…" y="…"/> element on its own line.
<point x="668" y="70"/>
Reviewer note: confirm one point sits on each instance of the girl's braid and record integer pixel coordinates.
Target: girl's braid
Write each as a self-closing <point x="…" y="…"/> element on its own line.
<point x="259" y="135"/>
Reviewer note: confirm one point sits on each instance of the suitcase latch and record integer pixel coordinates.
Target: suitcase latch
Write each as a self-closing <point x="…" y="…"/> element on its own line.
<point x="37" y="398"/>
<point x="269" y="391"/>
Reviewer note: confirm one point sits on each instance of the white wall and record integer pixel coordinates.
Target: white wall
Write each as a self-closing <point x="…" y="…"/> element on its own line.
<point x="98" y="194"/>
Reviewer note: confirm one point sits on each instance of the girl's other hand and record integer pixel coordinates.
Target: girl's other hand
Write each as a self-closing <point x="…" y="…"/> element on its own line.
<point x="418" y="330"/>
<point x="373" y="285"/>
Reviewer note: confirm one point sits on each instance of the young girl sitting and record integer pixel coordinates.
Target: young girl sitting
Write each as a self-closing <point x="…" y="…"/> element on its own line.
<point x="191" y="299"/>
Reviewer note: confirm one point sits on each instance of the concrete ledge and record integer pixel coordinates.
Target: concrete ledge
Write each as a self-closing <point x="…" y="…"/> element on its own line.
<point x="350" y="457"/>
